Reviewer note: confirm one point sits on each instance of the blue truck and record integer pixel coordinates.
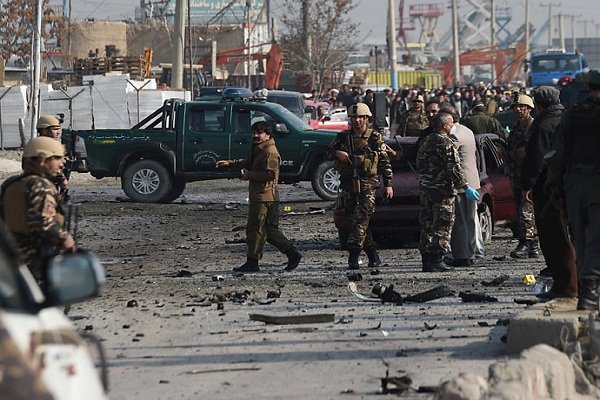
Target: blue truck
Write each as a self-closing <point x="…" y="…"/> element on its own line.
<point x="547" y="68"/>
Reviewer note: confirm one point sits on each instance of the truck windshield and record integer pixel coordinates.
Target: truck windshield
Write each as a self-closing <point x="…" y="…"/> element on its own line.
<point x="291" y="117"/>
<point x="555" y="63"/>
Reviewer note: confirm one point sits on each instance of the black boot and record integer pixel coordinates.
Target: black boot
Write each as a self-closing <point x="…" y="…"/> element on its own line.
<point x="251" y="265"/>
<point x="374" y="260"/>
<point x="588" y="295"/>
<point x="533" y="249"/>
<point x="294" y="258"/>
<point x="353" y="258"/>
<point x="435" y="264"/>
<point x="522" y="250"/>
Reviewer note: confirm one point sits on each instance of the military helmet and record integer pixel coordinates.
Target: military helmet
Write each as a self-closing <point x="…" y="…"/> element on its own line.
<point x="525" y="100"/>
<point x="43" y="147"/>
<point x="47" y="121"/>
<point x="359" y="110"/>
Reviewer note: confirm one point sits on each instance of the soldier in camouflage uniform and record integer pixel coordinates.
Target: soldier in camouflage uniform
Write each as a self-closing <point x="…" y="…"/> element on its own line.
<point x="480" y="122"/>
<point x="414" y="120"/>
<point x="364" y="165"/>
<point x="50" y="126"/>
<point x="30" y="206"/>
<point x="517" y="142"/>
<point x="438" y="163"/>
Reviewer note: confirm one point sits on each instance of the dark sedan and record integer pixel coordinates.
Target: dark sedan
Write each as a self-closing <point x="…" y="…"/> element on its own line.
<point x="396" y="220"/>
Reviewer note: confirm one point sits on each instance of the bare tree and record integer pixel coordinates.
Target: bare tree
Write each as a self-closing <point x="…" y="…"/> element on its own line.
<point x="17" y="24"/>
<point x="332" y="37"/>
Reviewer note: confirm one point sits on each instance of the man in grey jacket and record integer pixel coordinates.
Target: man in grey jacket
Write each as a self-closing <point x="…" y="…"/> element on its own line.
<point x="464" y="234"/>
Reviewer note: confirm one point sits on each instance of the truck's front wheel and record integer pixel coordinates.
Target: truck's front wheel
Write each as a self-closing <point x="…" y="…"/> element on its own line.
<point x="326" y="181"/>
<point x="146" y="181"/>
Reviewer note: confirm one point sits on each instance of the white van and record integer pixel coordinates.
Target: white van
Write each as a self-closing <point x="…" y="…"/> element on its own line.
<point x="53" y="358"/>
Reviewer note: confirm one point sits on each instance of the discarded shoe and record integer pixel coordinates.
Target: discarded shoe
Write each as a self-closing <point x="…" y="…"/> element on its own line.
<point x="294" y="257"/>
<point x="251" y="265"/>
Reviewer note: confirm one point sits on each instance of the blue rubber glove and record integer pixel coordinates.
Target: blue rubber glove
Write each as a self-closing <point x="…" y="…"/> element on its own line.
<point x="472" y="194"/>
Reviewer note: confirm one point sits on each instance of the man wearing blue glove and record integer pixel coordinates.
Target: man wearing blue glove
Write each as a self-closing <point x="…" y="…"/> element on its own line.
<point x="464" y="234"/>
<point x="441" y="176"/>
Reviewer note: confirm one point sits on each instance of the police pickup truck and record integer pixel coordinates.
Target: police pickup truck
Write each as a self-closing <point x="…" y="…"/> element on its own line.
<point x="181" y="141"/>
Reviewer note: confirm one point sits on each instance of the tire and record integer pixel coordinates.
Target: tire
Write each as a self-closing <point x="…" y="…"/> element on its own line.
<point x="146" y="181"/>
<point x="487" y="223"/>
<point x="326" y="181"/>
<point x="343" y="238"/>
<point x="176" y="190"/>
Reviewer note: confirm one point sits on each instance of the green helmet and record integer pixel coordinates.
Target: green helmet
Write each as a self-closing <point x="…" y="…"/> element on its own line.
<point x="359" y="110"/>
<point x="47" y="121"/>
<point x="43" y="147"/>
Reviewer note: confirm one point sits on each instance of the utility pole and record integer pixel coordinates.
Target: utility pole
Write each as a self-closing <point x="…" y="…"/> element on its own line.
<point x="179" y="32"/>
<point x="455" y="49"/>
<point x="585" y="26"/>
<point x="189" y="46"/>
<point x="249" y="62"/>
<point x="561" y="33"/>
<point x="392" y="44"/>
<point x="307" y="30"/>
<point x="493" y="35"/>
<point x="527" y="28"/>
<point x="35" y="84"/>
<point x="550" y="27"/>
<point x="573" y="35"/>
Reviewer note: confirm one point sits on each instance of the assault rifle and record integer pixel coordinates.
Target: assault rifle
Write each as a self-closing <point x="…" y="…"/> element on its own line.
<point x="354" y="163"/>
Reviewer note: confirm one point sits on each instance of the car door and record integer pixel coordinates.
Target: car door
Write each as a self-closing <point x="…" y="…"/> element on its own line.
<point x="494" y="158"/>
<point x="206" y="138"/>
<point x="287" y="141"/>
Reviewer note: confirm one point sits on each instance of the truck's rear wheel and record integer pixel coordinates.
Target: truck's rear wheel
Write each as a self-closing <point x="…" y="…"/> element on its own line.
<point x="146" y="181"/>
<point x="326" y="181"/>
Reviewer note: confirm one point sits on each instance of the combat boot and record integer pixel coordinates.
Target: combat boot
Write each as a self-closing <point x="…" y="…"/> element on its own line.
<point x="374" y="260"/>
<point x="434" y="264"/>
<point x="251" y="265"/>
<point x="588" y="295"/>
<point x="533" y="249"/>
<point x="353" y="258"/>
<point x="294" y="258"/>
<point x="522" y="250"/>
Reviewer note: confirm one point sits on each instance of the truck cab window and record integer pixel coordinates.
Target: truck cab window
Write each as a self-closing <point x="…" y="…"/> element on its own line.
<point x="207" y="120"/>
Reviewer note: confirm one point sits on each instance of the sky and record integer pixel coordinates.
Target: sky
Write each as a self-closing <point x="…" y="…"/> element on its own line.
<point x="372" y="14"/>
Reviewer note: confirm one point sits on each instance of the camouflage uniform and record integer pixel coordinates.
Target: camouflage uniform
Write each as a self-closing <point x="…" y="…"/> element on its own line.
<point x="517" y="142"/>
<point x="412" y="123"/>
<point x="372" y="158"/>
<point x="438" y="164"/>
<point x="30" y="208"/>
<point x="480" y="122"/>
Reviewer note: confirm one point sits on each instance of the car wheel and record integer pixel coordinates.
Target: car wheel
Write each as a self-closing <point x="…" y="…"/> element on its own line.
<point x="176" y="190"/>
<point x="326" y="181"/>
<point x="487" y="223"/>
<point x="343" y="237"/>
<point x="146" y="181"/>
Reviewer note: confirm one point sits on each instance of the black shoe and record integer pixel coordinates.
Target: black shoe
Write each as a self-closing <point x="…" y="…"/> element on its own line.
<point x="459" y="262"/>
<point x="522" y="251"/>
<point x="435" y="264"/>
<point x="533" y="249"/>
<point x="353" y="258"/>
<point x="374" y="260"/>
<point x="588" y="295"/>
<point x="294" y="258"/>
<point x="251" y="265"/>
<point x="546" y="273"/>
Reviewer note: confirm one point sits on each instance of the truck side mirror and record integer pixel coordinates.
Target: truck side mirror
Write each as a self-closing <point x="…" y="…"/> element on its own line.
<point x="281" y="128"/>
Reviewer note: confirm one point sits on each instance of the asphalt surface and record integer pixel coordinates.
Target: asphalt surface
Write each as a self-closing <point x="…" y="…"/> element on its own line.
<point x="175" y="322"/>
